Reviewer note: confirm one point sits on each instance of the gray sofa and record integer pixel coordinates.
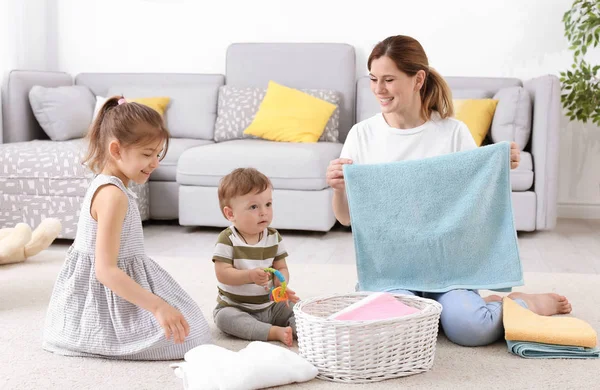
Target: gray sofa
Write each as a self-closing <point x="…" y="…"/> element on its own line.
<point x="41" y="178"/>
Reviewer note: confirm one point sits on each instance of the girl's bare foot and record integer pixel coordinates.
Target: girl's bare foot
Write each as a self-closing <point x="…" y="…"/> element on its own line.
<point x="544" y="304"/>
<point x="285" y="335"/>
<point x="493" y="298"/>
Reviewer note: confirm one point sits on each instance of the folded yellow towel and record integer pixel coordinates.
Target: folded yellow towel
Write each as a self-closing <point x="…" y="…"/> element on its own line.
<point x="521" y="324"/>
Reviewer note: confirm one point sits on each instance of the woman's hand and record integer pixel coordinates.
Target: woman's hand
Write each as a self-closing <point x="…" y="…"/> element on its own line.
<point x="335" y="173"/>
<point x="515" y="155"/>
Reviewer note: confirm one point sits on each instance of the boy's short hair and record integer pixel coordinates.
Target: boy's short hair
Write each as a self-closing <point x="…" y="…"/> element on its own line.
<point x="239" y="182"/>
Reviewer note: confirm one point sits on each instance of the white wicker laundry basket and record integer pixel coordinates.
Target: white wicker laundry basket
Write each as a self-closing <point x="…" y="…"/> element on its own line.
<point x="366" y="351"/>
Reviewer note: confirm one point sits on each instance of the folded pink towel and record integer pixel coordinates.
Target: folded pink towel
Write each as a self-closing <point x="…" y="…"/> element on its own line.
<point x="376" y="306"/>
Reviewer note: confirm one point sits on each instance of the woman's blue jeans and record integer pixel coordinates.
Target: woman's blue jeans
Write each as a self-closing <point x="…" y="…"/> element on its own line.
<point x="466" y="318"/>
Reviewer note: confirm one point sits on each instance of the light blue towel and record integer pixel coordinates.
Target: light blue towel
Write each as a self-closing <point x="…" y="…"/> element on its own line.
<point x="435" y="224"/>
<point x="549" y="351"/>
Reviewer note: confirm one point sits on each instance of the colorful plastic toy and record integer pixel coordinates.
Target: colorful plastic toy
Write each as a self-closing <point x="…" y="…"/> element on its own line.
<point x="278" y="294"/>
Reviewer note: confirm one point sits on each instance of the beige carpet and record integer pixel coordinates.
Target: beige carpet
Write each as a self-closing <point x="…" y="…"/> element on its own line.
<point x="25" y="290"/>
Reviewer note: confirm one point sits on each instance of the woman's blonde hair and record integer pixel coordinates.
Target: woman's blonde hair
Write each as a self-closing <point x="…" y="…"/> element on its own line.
<point x="409" y="56"/>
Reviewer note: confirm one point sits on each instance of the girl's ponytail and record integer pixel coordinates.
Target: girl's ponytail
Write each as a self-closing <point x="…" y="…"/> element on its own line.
<point x="96" y="154"/>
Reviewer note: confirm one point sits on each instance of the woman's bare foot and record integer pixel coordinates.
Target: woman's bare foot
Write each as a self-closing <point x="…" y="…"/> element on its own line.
<point x="285" y="335"/>
<point x="493" y="298"/>
<point x="544" y="304"/>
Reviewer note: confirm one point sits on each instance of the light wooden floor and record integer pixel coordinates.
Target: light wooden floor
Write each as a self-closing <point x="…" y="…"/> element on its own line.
<point x="572" y="247"/>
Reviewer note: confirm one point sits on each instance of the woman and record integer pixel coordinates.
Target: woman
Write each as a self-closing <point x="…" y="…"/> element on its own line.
<point x="416" y="122"/>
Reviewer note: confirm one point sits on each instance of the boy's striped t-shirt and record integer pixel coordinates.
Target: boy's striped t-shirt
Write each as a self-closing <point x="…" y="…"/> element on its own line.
<point x="231" y="248"/>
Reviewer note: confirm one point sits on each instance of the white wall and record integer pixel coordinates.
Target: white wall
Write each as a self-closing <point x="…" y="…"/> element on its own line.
<point x="462" y="38"/>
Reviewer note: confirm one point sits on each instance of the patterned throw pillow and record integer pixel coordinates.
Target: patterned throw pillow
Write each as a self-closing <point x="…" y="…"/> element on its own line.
<point x="238" y="106"/>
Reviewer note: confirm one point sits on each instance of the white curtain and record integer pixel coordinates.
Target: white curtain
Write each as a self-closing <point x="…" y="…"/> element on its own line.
<point x="7" y="35"/>
<point x="28" y="37"/>
<point x="8" y="56"/>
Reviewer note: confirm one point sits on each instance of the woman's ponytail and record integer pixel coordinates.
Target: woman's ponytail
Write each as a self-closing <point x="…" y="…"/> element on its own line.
<point x="436" y="96"/>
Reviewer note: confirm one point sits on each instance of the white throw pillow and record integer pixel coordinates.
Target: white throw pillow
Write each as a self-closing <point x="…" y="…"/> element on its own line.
<point x="259" y="365"/>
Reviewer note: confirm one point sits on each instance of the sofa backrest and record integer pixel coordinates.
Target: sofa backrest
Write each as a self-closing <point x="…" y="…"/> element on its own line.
<point x="479" y="87"/>
<point x="297" y="65"/>
<point x="462" y="88"/>
<point x="18" y="122"/>
<point x="192" y="110"/>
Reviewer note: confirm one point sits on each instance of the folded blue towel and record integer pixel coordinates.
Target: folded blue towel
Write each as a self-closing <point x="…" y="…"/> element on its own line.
<point x="435" y="224"/>
<point x="549" y="351"/>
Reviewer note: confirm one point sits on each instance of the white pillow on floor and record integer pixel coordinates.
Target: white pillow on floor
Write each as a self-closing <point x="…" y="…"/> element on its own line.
<point x="259" y="365"/>
<point x="99" y="103"/>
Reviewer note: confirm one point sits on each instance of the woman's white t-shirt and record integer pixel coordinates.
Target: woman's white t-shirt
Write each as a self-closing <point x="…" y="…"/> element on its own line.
<point x="373" y="141"/>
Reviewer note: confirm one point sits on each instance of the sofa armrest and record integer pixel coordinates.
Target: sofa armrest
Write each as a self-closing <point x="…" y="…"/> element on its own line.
<point x="547" y="111"/>
<point x="18" y="122"/>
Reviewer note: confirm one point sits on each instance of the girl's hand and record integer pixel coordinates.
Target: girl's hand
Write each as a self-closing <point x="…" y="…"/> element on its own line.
<point x="335" y="173"/>
<point x="515" y="155"/>
<point x="173" y="323"/>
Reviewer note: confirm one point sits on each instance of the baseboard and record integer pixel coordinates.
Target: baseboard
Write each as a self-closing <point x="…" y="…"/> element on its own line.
<point x="579" y="210"/>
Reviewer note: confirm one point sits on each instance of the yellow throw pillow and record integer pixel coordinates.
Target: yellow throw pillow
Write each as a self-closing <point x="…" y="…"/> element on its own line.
<point x="290" y="115"/>
<point x="158" y="104"/>
<point x="477" y="114"/>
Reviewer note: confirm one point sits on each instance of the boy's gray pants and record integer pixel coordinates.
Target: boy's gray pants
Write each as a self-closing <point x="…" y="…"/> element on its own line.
<point x="254" y="326"/>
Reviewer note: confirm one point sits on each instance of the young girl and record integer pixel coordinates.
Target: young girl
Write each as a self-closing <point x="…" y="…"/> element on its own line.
<point x="416" y="122"/>
<point x="110" y="300"/>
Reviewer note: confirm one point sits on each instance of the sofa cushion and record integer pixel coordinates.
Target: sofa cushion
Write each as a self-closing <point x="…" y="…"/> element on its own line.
<point x="238" y="106"/>
<point x="65" y="112"/>
<point x="167" y="170"/>
<point x="191" y="112"/>
<point x="512" y="120"/>
<point x="293" y="166"/>
<point x="477" y="114"/>
<point x="158" y="104"/>
<point x="51" y="168"/>
<point x="289" y="115"/>
<point x="521" y="178"/>
<point x="44" y="168"/>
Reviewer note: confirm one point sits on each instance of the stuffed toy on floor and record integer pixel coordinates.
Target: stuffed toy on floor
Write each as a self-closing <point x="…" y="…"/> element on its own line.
<point x="20" y="243"/>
